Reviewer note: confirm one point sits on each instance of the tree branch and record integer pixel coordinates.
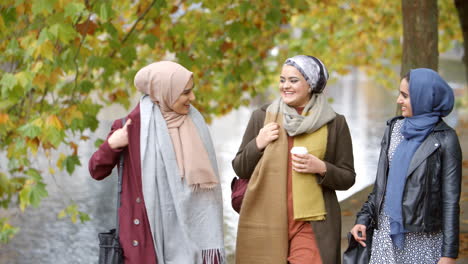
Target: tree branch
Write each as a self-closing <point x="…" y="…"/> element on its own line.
<point x="134" y="26"/>
<point x="75" y="58"/>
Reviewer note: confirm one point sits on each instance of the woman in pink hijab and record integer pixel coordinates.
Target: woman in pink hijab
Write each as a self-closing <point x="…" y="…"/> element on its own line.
<point x="171" y="204"/>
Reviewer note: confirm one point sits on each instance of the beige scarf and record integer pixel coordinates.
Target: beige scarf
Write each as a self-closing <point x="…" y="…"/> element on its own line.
<point x="263" y="224"/>
<point x="164" y="82"/>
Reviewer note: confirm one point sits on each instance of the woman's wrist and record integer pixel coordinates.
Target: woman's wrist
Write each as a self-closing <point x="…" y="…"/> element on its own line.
<point x="323" y="170"/>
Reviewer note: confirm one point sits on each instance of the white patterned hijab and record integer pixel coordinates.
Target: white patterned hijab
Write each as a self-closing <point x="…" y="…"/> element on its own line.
<point x="313" y="70"/>
<point x="317" y="112"/>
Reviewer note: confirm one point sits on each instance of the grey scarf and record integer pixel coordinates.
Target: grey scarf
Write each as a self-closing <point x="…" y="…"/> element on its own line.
<point x="316" y="113"/>
<point x="187" y="225"/>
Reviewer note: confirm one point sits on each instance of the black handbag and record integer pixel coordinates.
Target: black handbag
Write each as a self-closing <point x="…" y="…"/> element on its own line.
<point x="110" y="250"/>
<point x="356" y="253"/>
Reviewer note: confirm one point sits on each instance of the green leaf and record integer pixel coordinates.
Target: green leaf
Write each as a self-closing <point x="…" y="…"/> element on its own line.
<point x="150" y="40"/>
<point x="129" y="54"/>
<point x="13" y="47"/>
<point x="8" y="82"/>
<point x="42" y="6"/>
<point x="73" y="10"/>
<point x="34" y="174"/>
<point x="6" y="230"/>
<point x="86" y="86"/>
<point x="9" y="15"/>
<point x="24" y="79"/>
<point x="5" y="103"/>
<point x="54" y="136"/>
<point x="71" y="162"/>
<point x="110" y="29"/>
<point x="24" y="197"/>
<point x="63" y="32"/>
<point x="98" y="142"/>
<point x="105" y="11"/>
<point x="29" y="130"/>
<point x="244" y="7"/>
<point x="84" y="217"/>
<point x="46" y="35"/>
<point x="73" y="213"/>
<point x="274" y="16"/>
<point x="38" y="192"/>
<point x="235" y="30"/>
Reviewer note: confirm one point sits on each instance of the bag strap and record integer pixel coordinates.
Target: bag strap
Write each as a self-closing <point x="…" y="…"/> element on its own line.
<point x="119" y="188"/>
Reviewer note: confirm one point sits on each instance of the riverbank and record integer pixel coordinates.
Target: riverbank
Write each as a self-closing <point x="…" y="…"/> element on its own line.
<point x="352" y="205"/>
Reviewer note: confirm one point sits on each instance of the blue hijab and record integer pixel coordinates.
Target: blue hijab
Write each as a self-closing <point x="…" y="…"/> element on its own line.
<point x="431" y="98"/>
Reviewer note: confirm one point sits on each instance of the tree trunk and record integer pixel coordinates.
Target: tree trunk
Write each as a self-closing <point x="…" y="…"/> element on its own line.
<point x="462" y="8"/>
<point x="420" y="35"/>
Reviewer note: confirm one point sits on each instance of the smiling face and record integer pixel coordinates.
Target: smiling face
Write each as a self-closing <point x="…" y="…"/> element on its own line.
<point x="294" y="88"/>
<point x="182" y="104"/>
<point x="404" y="99"/>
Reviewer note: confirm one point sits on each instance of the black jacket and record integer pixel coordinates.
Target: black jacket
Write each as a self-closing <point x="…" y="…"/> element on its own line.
<point x="432" y="189"/>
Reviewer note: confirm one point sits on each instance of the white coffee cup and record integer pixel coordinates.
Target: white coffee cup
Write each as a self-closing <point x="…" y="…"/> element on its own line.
<point x="299" y="150"/>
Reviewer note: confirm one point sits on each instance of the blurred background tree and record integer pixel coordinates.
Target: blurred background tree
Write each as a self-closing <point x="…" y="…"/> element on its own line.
<point x="462" y="9"/>
<point x="61" y="61"/>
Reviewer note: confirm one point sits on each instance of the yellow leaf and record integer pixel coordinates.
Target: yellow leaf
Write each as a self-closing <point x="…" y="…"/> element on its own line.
<point x="40" y="80"/>
<point x="37" y="66"/>
<point x="51" y="171"/>
<point x="22" y="78"/>
<point x="38" y="122"/>
<point x="45" y="50"/>
<point x="20" y="9"/>
<point x="29" y="182"/>
<point x="33" y="145"/>
<point x="61" y="214"/>
<point x="54" y="121"/>
<point x="53" y="77"/>
<point x="60" y="4"/>
<point x="60" y="160"/>
<point x="28" y="43"/>
<point x="71" y="113"/>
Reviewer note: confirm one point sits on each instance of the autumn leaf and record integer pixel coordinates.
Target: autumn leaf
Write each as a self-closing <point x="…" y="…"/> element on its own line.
<point x="54" y="121"/>
<point x="4" y="118"/>
<point x="86" y="28"/>
<point x="44" y="50"/>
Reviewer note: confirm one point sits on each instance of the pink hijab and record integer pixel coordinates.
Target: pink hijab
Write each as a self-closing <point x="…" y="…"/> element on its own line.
<point x="164" y="82"/>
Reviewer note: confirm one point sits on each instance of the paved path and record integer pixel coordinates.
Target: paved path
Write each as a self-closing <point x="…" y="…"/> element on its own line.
<point x="351" y="205"/>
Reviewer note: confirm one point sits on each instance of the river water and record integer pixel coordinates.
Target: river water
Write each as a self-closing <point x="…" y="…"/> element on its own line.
<point x="44" y="239"/>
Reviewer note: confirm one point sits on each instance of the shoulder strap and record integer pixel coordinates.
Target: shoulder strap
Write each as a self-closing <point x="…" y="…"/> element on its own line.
<point x="119" y="187"/>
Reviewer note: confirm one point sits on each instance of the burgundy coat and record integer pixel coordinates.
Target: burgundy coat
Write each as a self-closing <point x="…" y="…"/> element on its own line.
<point x="135" y="232"/>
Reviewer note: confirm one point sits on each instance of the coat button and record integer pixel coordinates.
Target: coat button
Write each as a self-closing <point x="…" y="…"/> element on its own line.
<point x="138" y="200"/>
<point x="135" y="243"/>
<point x="136" y="221"/>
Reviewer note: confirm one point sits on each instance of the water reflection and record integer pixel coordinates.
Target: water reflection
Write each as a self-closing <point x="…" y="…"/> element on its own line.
<point x="43" y="239"/>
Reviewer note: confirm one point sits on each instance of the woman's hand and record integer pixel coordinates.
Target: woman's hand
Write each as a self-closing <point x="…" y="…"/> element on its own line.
<point x="268" y="134"/>
<point x="119" y="138"/>
<point x="308" y="163"/>
<point x="445" y="260"/>
<point x="360" y="238"/>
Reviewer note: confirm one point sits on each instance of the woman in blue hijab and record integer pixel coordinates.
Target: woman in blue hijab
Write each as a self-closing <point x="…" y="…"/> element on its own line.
<point x="414" y="206"/>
